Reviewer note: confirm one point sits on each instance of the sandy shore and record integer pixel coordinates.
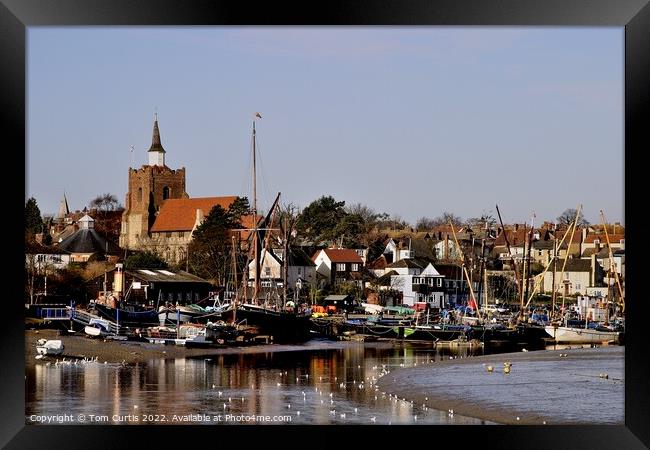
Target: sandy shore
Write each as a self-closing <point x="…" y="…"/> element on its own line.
<point x="79" y="346"/>
<point x="542" y="386"/>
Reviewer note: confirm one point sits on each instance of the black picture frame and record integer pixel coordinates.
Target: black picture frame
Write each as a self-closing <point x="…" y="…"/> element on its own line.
<point x="16" y="15"/>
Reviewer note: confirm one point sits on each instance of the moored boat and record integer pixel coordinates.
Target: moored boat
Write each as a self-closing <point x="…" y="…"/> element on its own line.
<point x="575" y="335"/>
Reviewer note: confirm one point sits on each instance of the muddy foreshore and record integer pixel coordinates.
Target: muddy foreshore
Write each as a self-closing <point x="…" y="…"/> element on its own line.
<point x="570" y="386"/>
<point x="130" y="352"/>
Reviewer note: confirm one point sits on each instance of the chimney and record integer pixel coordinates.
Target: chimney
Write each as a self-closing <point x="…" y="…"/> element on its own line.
<point x="199" y="217"/>
<point x="584" y="234"/>
<point x="118" y="281"/>
<point x="593" y="270"/>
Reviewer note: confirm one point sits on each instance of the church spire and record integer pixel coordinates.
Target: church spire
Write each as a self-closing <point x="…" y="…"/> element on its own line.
<point x="64" y="210"/>
<point x="156" y="151"/>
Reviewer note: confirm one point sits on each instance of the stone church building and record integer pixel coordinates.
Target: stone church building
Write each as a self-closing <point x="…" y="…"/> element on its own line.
<point x="159" y="216"/>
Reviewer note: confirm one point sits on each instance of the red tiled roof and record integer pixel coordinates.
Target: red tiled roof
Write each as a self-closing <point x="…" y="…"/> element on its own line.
<point x="179" y="214"/>
<point x="515" y="237"/>
<point x="577" y="237"/>
<point x="613" y="238"/>
<point x="342" y="255"/>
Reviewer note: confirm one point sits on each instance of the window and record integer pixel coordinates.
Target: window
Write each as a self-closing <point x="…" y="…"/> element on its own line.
<point x="430" y="281"/>
<point x="439" y="282"/>
<point x="267" y="271"/>
<point x="355" y="267"/>
<point x="139" y="194"/>
<point x="168" y="234"/>
<point x="165" y="192"/>
<point x="566" y="276"/>
<point x="299" y="270"/>
<point x="340" y="267"/>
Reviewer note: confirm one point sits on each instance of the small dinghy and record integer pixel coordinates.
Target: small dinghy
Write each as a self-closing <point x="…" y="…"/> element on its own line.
<point x="47" y="348"/>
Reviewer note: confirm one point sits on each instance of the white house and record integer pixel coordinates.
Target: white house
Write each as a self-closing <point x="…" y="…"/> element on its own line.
<point x="301" y="271"/>
<point x="418" y="281"/>
<point x="338" y="265"/>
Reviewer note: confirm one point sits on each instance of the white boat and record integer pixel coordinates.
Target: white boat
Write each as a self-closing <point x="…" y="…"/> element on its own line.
<point x="97" y="327"/>
<point x="574" y="335"/>
<point x="47" y="348"/>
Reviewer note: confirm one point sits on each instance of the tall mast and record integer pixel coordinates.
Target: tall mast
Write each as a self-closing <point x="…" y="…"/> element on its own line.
<point x="554" y="270"/>
<point x="255" y="253"/>
<point x="234" y="272"/>
<point x="285" y="265"/>
<point x="612" y="265"/>
<point x="527" y="257"/>
<point x="514" y="263"/>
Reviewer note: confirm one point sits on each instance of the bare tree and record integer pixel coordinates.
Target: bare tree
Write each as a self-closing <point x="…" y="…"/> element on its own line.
<point x="105" y="202"/>
<point x="569" y="215"/>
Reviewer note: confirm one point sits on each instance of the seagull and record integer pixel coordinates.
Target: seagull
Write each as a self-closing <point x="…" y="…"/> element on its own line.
<point x="220" y="393"/>
<point x="373" y="419"/>
<point x="332" y="411"/>
<point x="343" y="416"/>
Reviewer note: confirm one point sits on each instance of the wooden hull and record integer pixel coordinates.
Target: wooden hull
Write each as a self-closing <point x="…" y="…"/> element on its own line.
<point x="283" y="326"/>
<point x="570" y="335"/>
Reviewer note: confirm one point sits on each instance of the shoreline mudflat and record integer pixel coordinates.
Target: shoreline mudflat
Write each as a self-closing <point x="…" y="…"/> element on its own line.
<point x="129" y="352"/>
<point x="584" y="387"/>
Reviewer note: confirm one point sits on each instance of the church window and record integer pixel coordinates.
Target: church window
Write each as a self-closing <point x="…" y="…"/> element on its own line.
<point x="165" y="192"/>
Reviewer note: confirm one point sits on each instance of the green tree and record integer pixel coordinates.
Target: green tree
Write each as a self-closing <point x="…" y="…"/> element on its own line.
<point x="210" y="249"/>
<point x="319" y="219"/>
<point x="240" y="207"/>
<point x="33" y="219"/>
<point x="145" y="260"/>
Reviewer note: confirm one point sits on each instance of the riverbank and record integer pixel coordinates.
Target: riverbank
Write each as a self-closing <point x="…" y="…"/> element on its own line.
<point x="569" y="386"/>
<point x="130" y="352"/>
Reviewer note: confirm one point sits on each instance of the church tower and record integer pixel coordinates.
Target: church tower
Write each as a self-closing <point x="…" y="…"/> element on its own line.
<point x="149" y="187"/>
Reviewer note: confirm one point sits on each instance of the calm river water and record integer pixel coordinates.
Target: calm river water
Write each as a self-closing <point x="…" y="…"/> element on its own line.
<point x="329" y="384"/>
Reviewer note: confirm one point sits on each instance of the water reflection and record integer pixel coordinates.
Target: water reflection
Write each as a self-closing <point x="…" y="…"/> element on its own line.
<point x="323" y="386"/>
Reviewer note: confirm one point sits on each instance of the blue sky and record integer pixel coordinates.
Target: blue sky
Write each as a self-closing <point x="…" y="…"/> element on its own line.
<point x="409" y="121"/>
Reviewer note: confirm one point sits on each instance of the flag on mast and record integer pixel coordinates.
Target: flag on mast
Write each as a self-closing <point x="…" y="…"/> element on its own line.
<point x="258" y="115"/>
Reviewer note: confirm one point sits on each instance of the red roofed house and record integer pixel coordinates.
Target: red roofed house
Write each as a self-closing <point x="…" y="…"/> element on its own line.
<point x="172" y="231"/>
<point x="338" y="265"/>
